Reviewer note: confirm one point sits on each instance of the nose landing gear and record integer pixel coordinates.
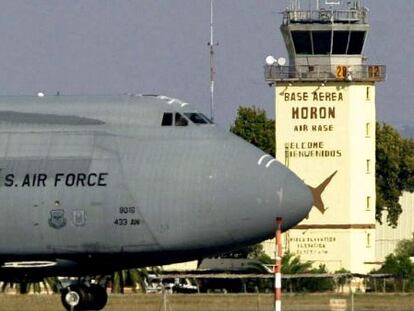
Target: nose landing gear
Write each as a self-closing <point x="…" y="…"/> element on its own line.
<point x="84" y="297"/>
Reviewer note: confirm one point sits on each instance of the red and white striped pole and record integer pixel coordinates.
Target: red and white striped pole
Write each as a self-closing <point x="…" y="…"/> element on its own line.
<point x="278" y="265"/>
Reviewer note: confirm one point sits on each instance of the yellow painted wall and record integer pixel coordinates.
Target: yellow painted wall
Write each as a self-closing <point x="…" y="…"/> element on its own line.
<point x="322" y="128"/>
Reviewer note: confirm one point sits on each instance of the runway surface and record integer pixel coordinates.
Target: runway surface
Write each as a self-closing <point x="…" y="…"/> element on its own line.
<point x="213" y="302"/>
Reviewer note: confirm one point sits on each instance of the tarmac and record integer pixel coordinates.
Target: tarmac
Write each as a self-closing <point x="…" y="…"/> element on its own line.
<point x="217" y="302"/>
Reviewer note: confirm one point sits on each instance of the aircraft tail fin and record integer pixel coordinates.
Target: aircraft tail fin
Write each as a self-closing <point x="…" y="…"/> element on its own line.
<point x="317" y="193"/>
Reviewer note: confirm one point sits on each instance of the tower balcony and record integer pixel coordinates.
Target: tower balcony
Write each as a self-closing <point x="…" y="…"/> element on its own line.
<point x="325" y="73"/>
<point x="323" y="16"/>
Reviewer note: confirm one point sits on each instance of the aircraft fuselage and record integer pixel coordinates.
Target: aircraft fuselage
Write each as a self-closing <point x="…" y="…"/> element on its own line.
<point x="104" y="183"/>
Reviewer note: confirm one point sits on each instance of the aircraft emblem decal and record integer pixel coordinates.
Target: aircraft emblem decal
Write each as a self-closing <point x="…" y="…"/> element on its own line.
<point x="79" y="218"/>
<point x="57" y="218"/>
<point x="317" y="193"/>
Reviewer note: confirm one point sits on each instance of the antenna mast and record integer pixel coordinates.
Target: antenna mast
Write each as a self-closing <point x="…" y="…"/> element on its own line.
<point x="212" y="67"/>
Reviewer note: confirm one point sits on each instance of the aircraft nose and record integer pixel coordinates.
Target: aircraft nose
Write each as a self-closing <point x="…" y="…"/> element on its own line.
<point x="286" y="194"/>
<point x="251" y="189"/>
<point x="257" y="190"/>
<point x="296" y="202"/>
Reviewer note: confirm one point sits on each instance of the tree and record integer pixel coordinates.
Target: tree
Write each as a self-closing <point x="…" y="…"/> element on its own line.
<point x="405" y="247"/>
<point x="394" y="171"/>
<point x="252" y="125"/>
<point x="401" y="267"/>
<point x="292" y="264"/>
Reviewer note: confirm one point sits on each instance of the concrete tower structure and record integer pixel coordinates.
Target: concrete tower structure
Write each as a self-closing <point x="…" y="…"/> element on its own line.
<point x="325" y="129"/>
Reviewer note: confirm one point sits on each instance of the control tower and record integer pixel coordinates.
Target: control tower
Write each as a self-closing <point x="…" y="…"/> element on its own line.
<point x="325" y="128"/>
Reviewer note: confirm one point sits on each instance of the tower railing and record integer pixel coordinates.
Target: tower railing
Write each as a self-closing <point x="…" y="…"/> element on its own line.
<point x="354" y="16"/>
<point x="374" y="73"/>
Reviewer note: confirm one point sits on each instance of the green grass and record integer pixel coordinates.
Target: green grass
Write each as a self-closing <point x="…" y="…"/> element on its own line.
<point x="213" y="302"/>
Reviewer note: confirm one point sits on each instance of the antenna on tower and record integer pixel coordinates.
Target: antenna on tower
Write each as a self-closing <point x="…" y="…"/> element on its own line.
<point x="212" y="44"/>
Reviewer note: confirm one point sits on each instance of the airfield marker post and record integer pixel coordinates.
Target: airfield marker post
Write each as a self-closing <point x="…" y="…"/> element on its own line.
<point x="278" y="265"/>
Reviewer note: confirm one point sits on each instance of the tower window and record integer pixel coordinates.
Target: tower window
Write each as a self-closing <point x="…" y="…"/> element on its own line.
<point x="368" y="203"/>
<point x="356" y="42"/>
<point x="368" y="166"/>
<point x="368" y="240"/>
<point x="368" y="129"/>
<point x="321" y="42"/>
<point x="340" y="42"/>
<point x="302" y="42"/>
<point x="368" y="93"/>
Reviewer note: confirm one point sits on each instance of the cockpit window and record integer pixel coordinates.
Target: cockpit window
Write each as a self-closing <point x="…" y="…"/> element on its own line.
<point x="167" y="119"/>
<point x="197" y="118"/>
<point x="180" y="120"/>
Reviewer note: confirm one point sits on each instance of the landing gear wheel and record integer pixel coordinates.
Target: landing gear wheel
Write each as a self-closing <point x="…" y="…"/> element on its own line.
<point x="82" y="297"/>
<point x="73" y="297"/>
<point x="100" y="297"/>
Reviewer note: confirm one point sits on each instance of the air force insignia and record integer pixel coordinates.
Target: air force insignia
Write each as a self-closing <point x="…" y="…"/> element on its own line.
<point x="57" y="218"/>
<point x="79" y="218"/>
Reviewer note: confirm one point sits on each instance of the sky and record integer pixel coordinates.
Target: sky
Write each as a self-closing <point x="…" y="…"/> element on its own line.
<point x="160" y="47"/>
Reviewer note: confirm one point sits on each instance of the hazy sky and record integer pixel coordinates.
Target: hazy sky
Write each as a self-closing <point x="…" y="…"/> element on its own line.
<point x="158" y="46"/>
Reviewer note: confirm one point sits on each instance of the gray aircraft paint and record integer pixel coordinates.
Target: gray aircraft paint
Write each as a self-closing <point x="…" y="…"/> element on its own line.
<point x="191" y="190"/>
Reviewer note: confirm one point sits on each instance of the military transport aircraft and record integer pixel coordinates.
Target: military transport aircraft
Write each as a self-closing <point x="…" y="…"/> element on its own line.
<point x="94" y="184"/>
